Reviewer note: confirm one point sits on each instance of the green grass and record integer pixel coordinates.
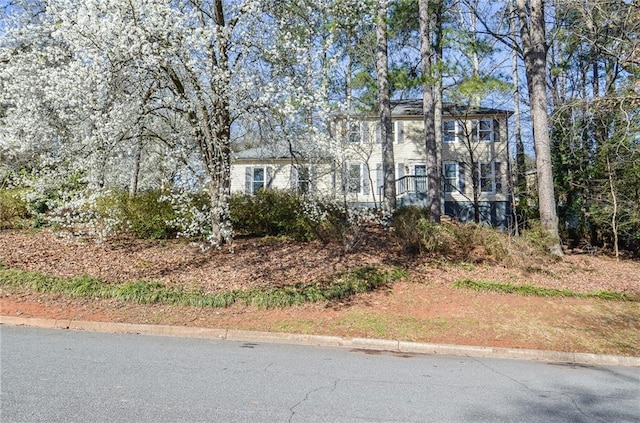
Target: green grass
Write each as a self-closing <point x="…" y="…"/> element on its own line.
<point x="342" y="285"/>
<point x="530" y="290"/>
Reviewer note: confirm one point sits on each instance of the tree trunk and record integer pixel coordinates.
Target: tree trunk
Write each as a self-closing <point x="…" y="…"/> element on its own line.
<point x="135" y="173"/>
<point x="437" y="92"/>
<point x="384" y="102"/>
<point x="614" y="200"/>
<point x="532" y="31"/>
<point x="428" y="106"/>
<point x="520" y="180"/>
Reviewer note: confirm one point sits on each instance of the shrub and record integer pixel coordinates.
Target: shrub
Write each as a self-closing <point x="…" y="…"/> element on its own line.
<point x="271" y="212"/>
<point x="329" y="220"/>
<point x="13" y="209"/>
<point x="539" y="239"/>
<point x="103" y="213"/>
<point x="145" y="216"/>
<point x="417" y="234"/>
<point x="477" y="243"/>
<point x="464" y="242"/>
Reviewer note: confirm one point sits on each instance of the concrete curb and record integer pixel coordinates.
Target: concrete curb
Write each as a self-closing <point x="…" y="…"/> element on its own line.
<point x="327" y="341"/>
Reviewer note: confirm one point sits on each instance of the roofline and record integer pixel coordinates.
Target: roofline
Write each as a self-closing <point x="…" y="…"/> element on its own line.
<point x="413" y="107"/>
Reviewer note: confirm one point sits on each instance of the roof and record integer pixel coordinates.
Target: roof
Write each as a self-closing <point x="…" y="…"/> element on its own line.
<point x="278" y="151"/>
<point x="265" y="151"/>
<point x="414" y="107"/>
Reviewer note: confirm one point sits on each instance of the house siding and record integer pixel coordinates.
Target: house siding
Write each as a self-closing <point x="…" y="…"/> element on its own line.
<point x="409" y="151"/>
<point x="331" y="176"/>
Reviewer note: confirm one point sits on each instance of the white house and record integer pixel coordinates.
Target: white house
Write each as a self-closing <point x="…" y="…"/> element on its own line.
<point x="474" y="156"/>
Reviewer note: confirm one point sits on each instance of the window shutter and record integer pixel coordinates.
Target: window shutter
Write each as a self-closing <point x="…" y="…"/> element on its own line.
<point x="378" y="133"/>
<point x="400" y="170"/>
<point x="269" y="177"/>
<point x="379" y="179"/>
<point x="498" y="177"/>
<point x="248" y="179"/>
<point x="400" y="131"/>
<point x="462" y="185"/>
<point x="460" y="130"/>
<point x="294" y="178"/>
<point x="474" y="130"/>
<point x="313" y="183"/>
<point x="364" y="130"/>
<point x="496" y="130"/>
<point x="400" y="184"/>
<point x="344" y="180"/>
<point x="366" y="182"/>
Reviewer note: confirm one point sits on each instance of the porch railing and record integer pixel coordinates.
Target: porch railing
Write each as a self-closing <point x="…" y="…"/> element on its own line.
<point x="409" y="184"/>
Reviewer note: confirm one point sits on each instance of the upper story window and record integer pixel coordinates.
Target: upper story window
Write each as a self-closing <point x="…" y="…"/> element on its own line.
<point x="449" y="130"/>
<point x="397" y="131"/>
<point x="354" y="134"/>
<point x="485" y="130"/>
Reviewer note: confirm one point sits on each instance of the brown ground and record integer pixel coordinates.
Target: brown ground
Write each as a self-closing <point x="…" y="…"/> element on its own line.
<point x="424" y="307"/>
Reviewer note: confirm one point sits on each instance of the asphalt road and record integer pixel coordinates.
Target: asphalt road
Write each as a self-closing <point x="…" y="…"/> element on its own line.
<point x="52" y="375"/>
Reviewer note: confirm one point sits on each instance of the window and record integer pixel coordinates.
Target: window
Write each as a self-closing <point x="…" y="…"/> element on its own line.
<point x="485" y="130"/>
<point x="449" y="130"/>
<point x="487" y="177"/>
<point x="354" y="134"/>
<point x="303" y="179"/>
<point x="257" y="178"/>
<point x="450" y="177"/>
<point x="354" y="179"/>
<point x="420" y="173"/>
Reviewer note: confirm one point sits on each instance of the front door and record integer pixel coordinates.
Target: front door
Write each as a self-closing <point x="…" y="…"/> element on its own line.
<point x="420" y="173"/>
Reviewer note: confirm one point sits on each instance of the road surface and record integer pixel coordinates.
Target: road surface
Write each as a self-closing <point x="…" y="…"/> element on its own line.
<point x="67" y="376"/>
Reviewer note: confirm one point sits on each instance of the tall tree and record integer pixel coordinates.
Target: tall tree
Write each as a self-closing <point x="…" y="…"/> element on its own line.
<point x="428" y="109"/>
<point x="595" y="121"/>
<point x="532" y="32"/>
<point x="384" y="103"/>
<point x="520" y="183"/>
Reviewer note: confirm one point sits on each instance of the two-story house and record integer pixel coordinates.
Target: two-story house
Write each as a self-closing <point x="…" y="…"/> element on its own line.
<point x="474" y="156"/>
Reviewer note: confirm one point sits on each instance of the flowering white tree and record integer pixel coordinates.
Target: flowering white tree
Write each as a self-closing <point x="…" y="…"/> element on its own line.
<point x="90" y="84"/>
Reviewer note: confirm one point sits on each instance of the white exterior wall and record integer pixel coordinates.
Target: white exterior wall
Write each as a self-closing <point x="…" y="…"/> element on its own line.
<point x="279" y="175"/>
<point x="483" y="152"/>
<point x="409" y="152"/>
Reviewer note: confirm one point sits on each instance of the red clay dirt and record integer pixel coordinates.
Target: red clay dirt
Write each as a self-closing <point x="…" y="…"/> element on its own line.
<point x="424" y="307"/>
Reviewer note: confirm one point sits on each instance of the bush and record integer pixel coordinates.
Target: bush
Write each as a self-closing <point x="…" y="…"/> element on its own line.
<point x="144" y="216"/>
<point x="271" y="212"/>
<point x="103" y="213"/>
<point x="465" y="242"/>
<point x="416" y="234"/>
<point x="538" y="238"/>
<point x="13" y="209"/>
<point x="477" y="243"/>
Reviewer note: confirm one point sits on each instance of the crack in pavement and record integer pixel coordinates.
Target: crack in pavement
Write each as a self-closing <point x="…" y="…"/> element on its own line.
<point x="307" y="395"/>
<point x="538" y="392"/>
